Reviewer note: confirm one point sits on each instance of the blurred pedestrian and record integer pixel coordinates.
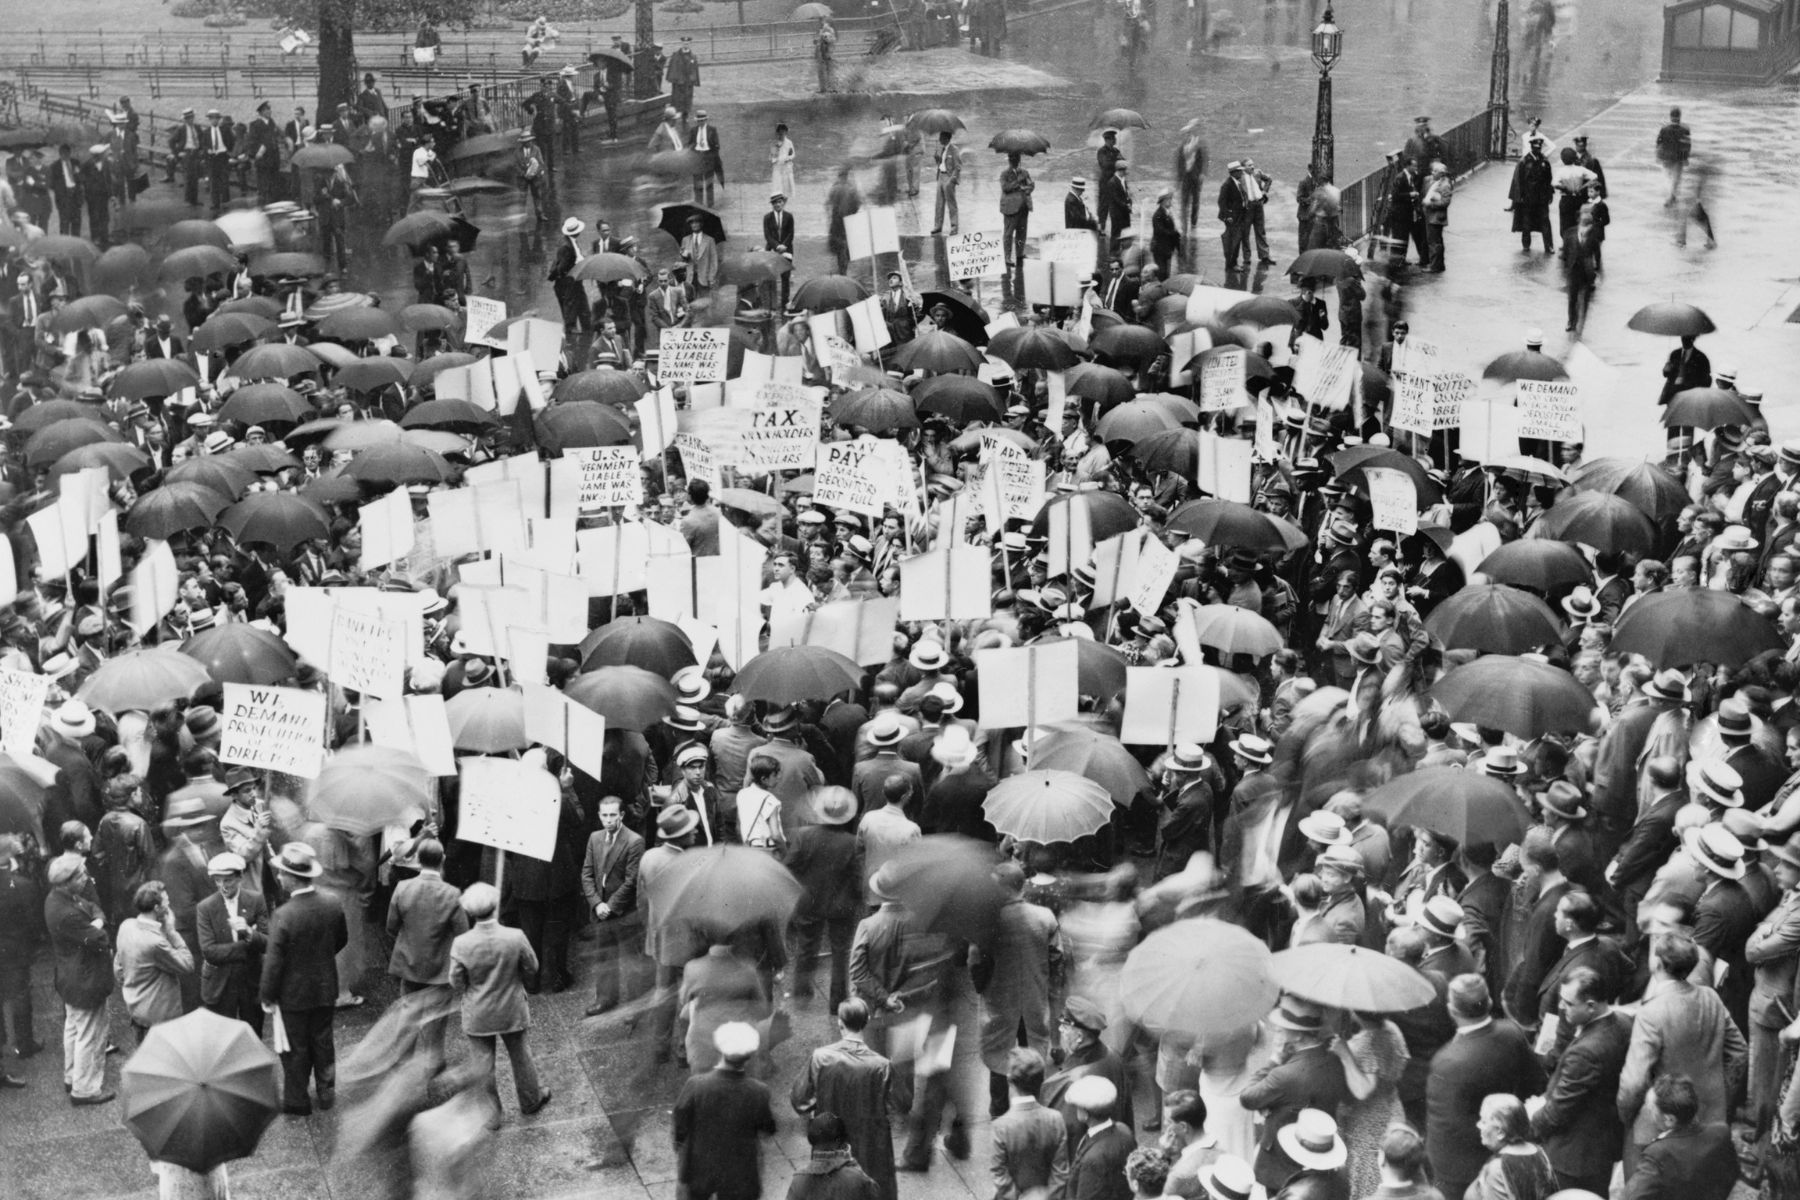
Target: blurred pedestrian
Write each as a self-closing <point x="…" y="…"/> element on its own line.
<point x="489" y="967"/>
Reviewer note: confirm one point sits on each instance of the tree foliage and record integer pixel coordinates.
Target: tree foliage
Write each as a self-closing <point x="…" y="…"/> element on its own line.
<point x="335" y="22"/>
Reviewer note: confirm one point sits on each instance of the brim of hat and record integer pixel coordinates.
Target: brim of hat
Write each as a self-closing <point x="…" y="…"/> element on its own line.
<point x="184" y="822"/>
<point x="825" y="818"/>
<point x="691" y="823"/>
<point x="1330" y="1160"/>
<point x="883" y="742"/>
<point x="316" y="871"/>
<point x="1515" y="769"/>
<point x="1251" y="755"/>
<point x="1280" y="1021"/>
<point x="82" y="730"/>
<point x="1578" y="814"/>
<point x="955" y="760"/>
<point x="881" y="893"/>
<point x="1343" y="837"/>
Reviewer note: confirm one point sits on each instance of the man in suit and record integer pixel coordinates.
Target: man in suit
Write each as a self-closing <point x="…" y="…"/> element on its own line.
<point x="162" y="342"/>
<point x="1773" y="951"/>
<point x="949" y="174"/>
<point x="1725" y="915"/>
<point x="424" y="917"/>
<point x="1014" y="976"/>
<point x="718" y="1120"/>
<point x="665" y="307"/>
<point x="84" y="977"/>
<point x="262" y="149"/>
<point x="1539" y="945"/>
<point x="1097" y="1163"/>
<point x="1445" y="957"/>
<point x="187" y="145"/>
<point x="704" y="140"/>
<point x="1578" y="917"/>
<point x="77" y="793"/>
<point x="1234" y="214"/>
<point x="1689" y="1159"/>
<point x="1579" y="1125"/>
<point x="1486" y="1056"/>
<point x="1304" y="1074"/>
<point x="1652" y="836"/>
<point x="489" y="967"/>
<point x="1076" y="214"/>
<point x="826" y="857"/>
<point x="1687" y="367"/>
<point x="1031" y="1143"/>
<point x="1682" y="1029"/>
<point x="669" y="946"/>
<point x="701" y="253"/>
<point x="65" y="185"/>
<point x="99" y="176"/>
<point x="217" y="139"/>
<point x="778" y="236"/>
<point x="1120" y="292"/>
<point x="884" y="734"/>
<point x="864" y="1089"/>
<point x="233" y="927"/>
<point x="1116" y="202"/>
<point x="1616" y="764"/>
<point x="609" y="881"/>
<point x="300" y="978"/>
<point x="1762" y="772"/>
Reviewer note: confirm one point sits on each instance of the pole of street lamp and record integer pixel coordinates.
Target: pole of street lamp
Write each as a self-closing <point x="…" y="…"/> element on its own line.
<point x="1500" y="86"/>
<point x="1324" y="147"/>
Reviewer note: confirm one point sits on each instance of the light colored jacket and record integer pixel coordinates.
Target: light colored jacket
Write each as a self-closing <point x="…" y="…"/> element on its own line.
<point x="148" y="965"/>
<point x="488" y="968"/>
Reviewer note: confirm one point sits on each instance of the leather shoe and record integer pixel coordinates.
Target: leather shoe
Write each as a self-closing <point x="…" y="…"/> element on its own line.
<point x="30" y="1048"/>
<point x="326" y="1101"/>
<point x="291" y="1111"/>
<point x="85" y="1101"/>
<point x="7" y="1081"/>
<point x="913" y="1166"/>
<point x="598" y="1010"/>
<point x="543" y="1099"/>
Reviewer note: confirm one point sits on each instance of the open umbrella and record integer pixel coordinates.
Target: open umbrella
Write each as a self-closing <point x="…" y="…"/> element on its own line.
<point x="264" y="459"/>
<point x="1135" y="420"/>
<point x="321" y="156"/>
<point x="934" y="121"/>
<point x="628" y="697"/>
<point x="1229" y="523"/>
<point x="877" y="409"/>
<point x="457" y="416"/>
<point x="567" y="426"/>
<point x="938" y="352"/>
<point x="1233" y="630"/>
<point x="48" y="412"/>
<point x="89" y="312"/>
<point x="1671" y="318"/>
<point x="1357" y="459"/>
<point x="194" y="232"/>
<point x="1033" y="348"/>
<point x="1523" y="697"/>
<point x="1092" y="754"/>
<point x="749" y="268"/>
<point x="812" y="10"/>
<point x="279" y="519"/>
<point x="1524" y="364"/>
<point x="1608" y="523"/>
<point x="332" y="354"/>
<point x="277" y="361"/>
<point x="175" y="507"/>
<point x="224" y="331"/>
<point x="214" y="472"/>
<point x="365" y="788"/>
<point x="947" y="885"/>
<point x="373" y="374"/>
<point x="1691" y="625"/>
<point x="426" y="318"/>
<point x="1102" y="384"/>
<point x="200" y="1091"/>
<point x="21" y="799"/>
<point x="1468" y="806"/>
<point x="1354" y="978"/>
<point x="484" y="144"/>
<point x="790" y="674"/>
<point x="1019" y="141"/>
<point x="419" y="227"/>
<point x="1119" y="118"/>
<point x="360" y="324"/>
<point x="748" y="500"/>
<point x="1323" y="264"/>
<point x="242" y="653"/>
<point x="1542" y="566"/>
<point x="718" y="890"/>
<point x="47" y="445"/>
<point x="967" y="319"/>
<point x="1047" y="806"/>
<point x="676" y="164"/>
<point x="62" y="247"/>
<point x="1650" y="486"/>
<point x="332" y="489"/>
<point x="1198" y="978"/>
<point x="1708" y="408"/>
<point x="1263" y="311"/>
<point x="298" y="264"/>
<point x="143" y="680"/>
<point x="1134" y="344"/>
<point x="398" y="464"/>
<point x="672" y="219"/>
<point x="962" y="398"/>
<point x="1099" y="668"/>
<point x="1172" y="450"/>
<point x="655" y="645"/>
<point x="603" y="385"/>
<point x="121" y="461"/>
<point x="265" y="403"/>
<point x="256" y="306"/>
<point x="487" y="720"/>
<point x="195" y="262"/>
<point x="1495" y="619"/>
<point x="827" y="293"/>
<point x="608" y="267"/>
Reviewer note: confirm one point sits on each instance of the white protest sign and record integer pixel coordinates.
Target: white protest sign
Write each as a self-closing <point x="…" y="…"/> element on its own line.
<point x="1226" y="466"/>
<point x="1115" y="566"/>
<point x="368" y="653"/>
<point x="975" y="255"/>
<point x="1184" y="346"/>
<point x="1206" y="302"/>
<point x="610" y="477"/>
<point x="656" y="421"/>
<point x="1029" y="686"/>
<point x="1413" y="410"/>
<point x="1078" y="248"/>
<point x="872" y="231"/>
<point x="692" y="355"/>
<point x="573" y="730"/>
<point x="697" y="459"/>
<point x="1325" y="374"/>
<point x="1053" y="283"/>
<point x="1222" y="380"/>
<point x="273" y="728"/>
<point x="1165" y="705"/>
<point x="155" y="582"/>
<point x="21" y="708"/>
<point x="109" y="554"/>
<point x="1550" y="409"/>
<point x="61" y="543"/>
<point x="947" y="584"/>
<point x="417" y="724"/>
<point x="1414" y="356"/>
<point x="861" y="630"/>
<point x="1071" y="530"/>
<point x="468" y="520"/>
<point x="783" y="438"/>
<point x="387" y="529"/>
<point x="1013" y="487"/>
<point x="848" y="475"/>
<point x="1056" y="390"/>
<point x="9" y="573"/>
<point x="1448" y="391"/>
<point x="509" y="805"/>
<point x="538" y="340"/>
<point x="729" y="583"/>
<point x="1155" y="571"/>
<point x="868" y="326"/>
<point x="480" y="314"/>
<point x="1490" y="430"/>
<point x="1393" y="500"/>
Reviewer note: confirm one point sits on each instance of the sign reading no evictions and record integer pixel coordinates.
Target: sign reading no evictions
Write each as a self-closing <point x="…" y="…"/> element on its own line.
<point x="974" y="255"/>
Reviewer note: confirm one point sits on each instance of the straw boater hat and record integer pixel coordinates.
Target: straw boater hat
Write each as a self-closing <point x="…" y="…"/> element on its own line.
<point x="1326" y="828"/>
<point x="834" y="805"/>
<point x="1341" y="857"/>
<point x="300" y="860"/>
<point x="1581" y="604"/>
<point x="1297" y="1016"/>
<point x="886" y="730"/>
<point x="72" y="719"/>
<point x="1668" y="685"/>
<point x="954" y="747"/>
<point x="1441" y="915"/>
<point x="1502" y="762"/>
<point x="573" y="227"/>
<point x="1229" y="1178"/>
<point x="1190" y="756"/>
<point x="1717" y="849"/>
<point x="1093" y="1093"/>
<point x="691" y="685"/>
<point x="882" y="883"/>
<point x="929" y="656"/>
<point x="1712" y="779"/>
<point x="1312" y="1141"/>
<point x="1254" y="749"/>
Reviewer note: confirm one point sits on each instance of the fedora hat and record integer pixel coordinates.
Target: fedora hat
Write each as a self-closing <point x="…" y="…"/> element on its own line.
<point x="954" y="747"/>
<point x="1326" y="828"/>
<point x="691" y="685"/>
<point x="1717" y="781"/>
<point x="676" y="821"/>
<point x="929" y="656"/>
<point x="1717" y="849"/>
<point x="186" y="811"/>
<point x="1341" y="857"/>
<point x="834" y="805"/>
<point x="1229" y="1178"/>
<point x="1297" y="1016"/>
<point x="781" y="720"/>
<point x="1312" y="1140"/>
<point x="1441" y="915"/>
<point x="300" y="860"/>
<point x="1254" y="749"/>
<point x="72" y="719"/>
<point x="1188" y="756"/>
<point x="1502" y="762"/>
<point x="1365" y="647"/>
<point x="886" y="730"/>
<point x="1581" y="603"/>
<point x="1564" y="799"/>
<point x="239" y="777"/>
<point x="1668" y="685"/>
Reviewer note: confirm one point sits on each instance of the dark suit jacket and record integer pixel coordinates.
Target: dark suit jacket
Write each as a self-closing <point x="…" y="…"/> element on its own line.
<point x="1233" y="208"/>
<point x="611" y="877"/>
<point x="76" y="794"/>
<point x="424" y="917"/>
<point x="1579" y="1124"/>
<point x="1696" y="1163"/>
<point x="1539" y="949"/>
<point x="1115" y="201"/>
<point x="1763" y="774"/>
<point x="718" y="1118"/>
<point x="1076" y="214"/>
<point x="1601" y="955"/>
<point x="827" y="860"/>
<point x="230" y="965"/>
<point x="1097" y="1168"/>
<point x="1313" y="1078"/>
<point x="1723" y="921"/>
<point x="1470" y="1067"/>
<point x="778" y="230"/>
<point x="300" y="966"/>
<point x="84" y="976"/>
<point x="1647" y="847"/>
<point x="153" y="347"/>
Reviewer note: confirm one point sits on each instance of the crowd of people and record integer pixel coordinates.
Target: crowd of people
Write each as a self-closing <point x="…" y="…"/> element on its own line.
<point x="1599" y="895"/>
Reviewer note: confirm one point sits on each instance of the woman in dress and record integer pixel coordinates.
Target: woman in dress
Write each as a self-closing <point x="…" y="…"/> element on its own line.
<point x="781" y="162"/>
<point x="1374" y="1056"/>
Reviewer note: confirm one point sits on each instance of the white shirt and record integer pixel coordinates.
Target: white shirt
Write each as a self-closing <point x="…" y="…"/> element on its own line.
<point x="703" y="136"/>
<point x="786" y="599"/>
<point x="422" y="159"/>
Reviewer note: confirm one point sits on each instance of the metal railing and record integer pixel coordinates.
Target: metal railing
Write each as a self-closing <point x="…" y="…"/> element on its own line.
<point x="1466" y="147"/>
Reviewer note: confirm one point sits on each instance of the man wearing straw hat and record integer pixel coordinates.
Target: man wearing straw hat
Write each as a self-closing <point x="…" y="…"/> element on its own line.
<point x="1305" y="1075"/>
<point x="300" y="979"/>
<point x="233" y="926"/>
<point x="84" y="979"/>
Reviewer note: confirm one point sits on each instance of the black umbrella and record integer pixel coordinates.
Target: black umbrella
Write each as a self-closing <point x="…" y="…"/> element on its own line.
<point x="1690" y="625"/>
<point x="1019" y="141"/>
<point x="827" y="293"/>
<point x="655" y="645"/>
<point x="1494" y="618"/>
<point x="672" y="219"/>
<point x="962" y="398"/>
<point x="1608" y="523"/>
<point x="1708" y="408"/>
<point x="1671" y="319"/>
<point x="1033" y="348"/>
<point x="1524" y="364"/>
<point x="967" y="319"/>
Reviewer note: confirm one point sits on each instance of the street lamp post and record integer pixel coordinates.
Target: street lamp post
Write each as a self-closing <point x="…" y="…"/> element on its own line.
<point x="1327" y="46"/>
<point x="1500" y="85"/>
